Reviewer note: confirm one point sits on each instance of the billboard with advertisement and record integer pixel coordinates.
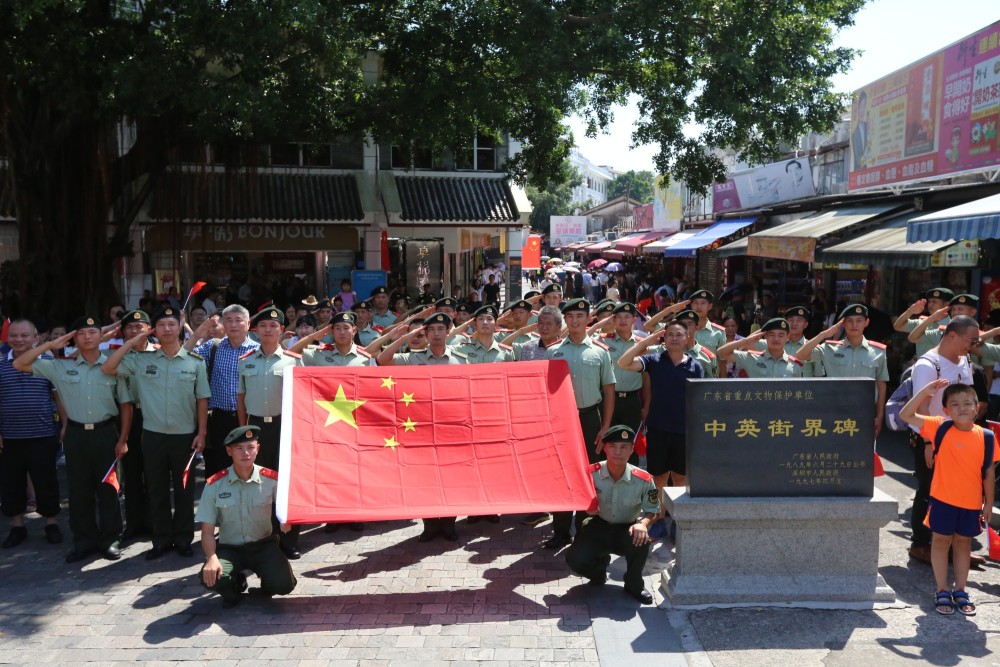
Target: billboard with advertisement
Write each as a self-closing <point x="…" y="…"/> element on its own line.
<point x="643" y="216"/>
<point x="667" y="204"/>
<point x="761" y="186"/>
<point x="566" y="229"/>
<point x="935" y="118"/>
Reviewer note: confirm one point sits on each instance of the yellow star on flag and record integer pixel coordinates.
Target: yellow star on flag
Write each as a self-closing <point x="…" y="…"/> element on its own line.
<point x="341" y="409"/>
<point x="407" y="399"/>
<point x="391" y="442"/>
<point x="388" y="382"/>
<point x="409" y="425"/>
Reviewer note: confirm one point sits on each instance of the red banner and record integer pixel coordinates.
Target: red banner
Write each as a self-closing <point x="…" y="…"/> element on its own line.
<point x="371" y="444"/>
<point x="531" y="253"/>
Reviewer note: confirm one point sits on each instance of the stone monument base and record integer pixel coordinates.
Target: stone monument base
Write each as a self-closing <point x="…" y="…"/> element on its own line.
<point x="777" y="550"/>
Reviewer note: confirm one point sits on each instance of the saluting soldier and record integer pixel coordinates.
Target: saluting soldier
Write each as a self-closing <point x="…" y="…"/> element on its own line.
<point x="258" y="399"/>
<point x="366" y="333"/>
<point x="773" y="362"/>
<point x="437" y="353"/>
<point x="238" y="500"/>
<point x="92" y="443"/>
<point x="704" y="356"/>
<point x="854" y="356"/>
<point x="172" y="385"/>
<point x="382" y="317"/>
<point x="552" y="295"/>
<point x="627" y="502"/>
<point x="462" y="315"/>
<point x="930" y="330"/>
<point x="518" y="316"/>
<point x="708" y="334"/>
<point x="631" y="388"/>
<point x="447" y="305"/>
<point x="593" y="381"/>
<point x="933" y="300"/>
<point x="481" y="347"/>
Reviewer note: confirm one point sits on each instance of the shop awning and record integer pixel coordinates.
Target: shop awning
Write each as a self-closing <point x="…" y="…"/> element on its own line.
<point x="632" y="244"/>
<point x="797" y="240"/>
<point x="595" y="248"/>
<point x="689" y="247"/>
<point x="886" y="246"/>
<point x="657" y="247"/>
<point x="613" y="254"/>
<point x="979" y="219"/>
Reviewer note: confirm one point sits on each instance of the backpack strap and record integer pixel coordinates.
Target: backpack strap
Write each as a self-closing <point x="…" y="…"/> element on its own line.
<point x="211" y="357"/>
<point x="939" y="435"/>
<point x="989" y="446"/>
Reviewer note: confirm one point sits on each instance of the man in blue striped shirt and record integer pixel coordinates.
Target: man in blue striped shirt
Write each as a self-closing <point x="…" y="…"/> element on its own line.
<point x="29" y="440"/>
<point x="222" y="356"/>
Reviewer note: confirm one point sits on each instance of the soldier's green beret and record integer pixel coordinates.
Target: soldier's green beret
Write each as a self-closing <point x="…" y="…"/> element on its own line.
<point x="367" y="305"/>
<point x="531" y="293"/>
<point x="576" y="305"/>
<point x="625" y="307"/>
<point x="86" y="322"/>
<point x="685" y="315"/>
<point x="462" y="308"/>
<point x="322" y="303"/>
<point x="965" y="300"/>
<point x="133" y="316"/>
<point x="488" y="309"/>
<point x="798" y="311"/>
<point x="619" y="434"/>
<point x="242" y="434"/>
<point x="942" y="293"/>
<point x="164" y="313"/>
<point x="554" y="287"/>
<point x="379" y="290"/>
<point x="854" y="309"/>
<point x="522" y="305"/>
<point x="702" y="294"/>
<point x="344" y="318"/>
<point x="446" y="302"/>
<point x="775" y="324"/>
<point x="438" y="318"/>
<point x="270" y="315"/>
<point x="604" y="307"/>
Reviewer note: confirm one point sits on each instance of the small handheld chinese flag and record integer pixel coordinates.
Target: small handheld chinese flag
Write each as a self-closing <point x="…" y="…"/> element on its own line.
<point x="111" y="477"/>
<point x="879" y="470"/>
<point x="194" y="290"/>
<point x="639" y="444"/>
<point x="995" y="427"/>
<point x="187" y="470"/>
<point x="994" y="543"/>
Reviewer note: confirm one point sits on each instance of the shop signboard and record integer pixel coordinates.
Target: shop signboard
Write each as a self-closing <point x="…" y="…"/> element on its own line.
<point x="799" y="249"/>
<point x="251" y="237"/>
<point x="769" y="184"/>
<point x="364" y="281"/>
<point x="667" y="204"/>
<point x="423" y="261"/>
<point x="566" y="229"/>
<point x="937" y="117"/>
<point x="961" y="254"/>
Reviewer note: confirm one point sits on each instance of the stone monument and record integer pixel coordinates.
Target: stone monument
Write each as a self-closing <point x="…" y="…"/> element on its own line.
<point x="780" y="506"/>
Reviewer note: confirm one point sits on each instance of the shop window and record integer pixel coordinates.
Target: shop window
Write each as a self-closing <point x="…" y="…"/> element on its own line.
<point x="347" y="153"/>
<point x="191" y="151"/>
<point x="285" y="155"/>
<point x="316" y="155"/>
<point x="412" y="157"/>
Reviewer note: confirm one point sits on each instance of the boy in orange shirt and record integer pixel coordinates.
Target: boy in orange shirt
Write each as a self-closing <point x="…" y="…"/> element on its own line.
<point x="961" y="455"/>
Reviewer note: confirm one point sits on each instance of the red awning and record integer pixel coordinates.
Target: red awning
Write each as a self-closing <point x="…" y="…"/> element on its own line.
<point x="594" y="248"/>
<point x="632" y="244"/>
<point x="613" y="254"/>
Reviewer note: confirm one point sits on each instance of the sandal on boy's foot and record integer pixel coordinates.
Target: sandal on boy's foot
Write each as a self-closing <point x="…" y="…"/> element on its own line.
<point x="960" y="600"/>
<point x="943" y="603"/>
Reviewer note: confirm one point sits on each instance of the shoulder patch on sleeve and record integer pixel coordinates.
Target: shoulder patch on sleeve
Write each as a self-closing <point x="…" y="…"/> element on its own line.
<point x="642" y="474"/>
<point x="362" y="351"/>
<point x="217" y="476"/>
<point x="594" y="467"/>
<point x="707" y="352"/>
<point x="196" y="355"/>
<point x="880" y="346"/>
<point x="293" y="355"/>
<point x="248" y="354"/>
<point x="504" y="347"/>
<point x="267" y="472"/>
<point x="600" y="344"/>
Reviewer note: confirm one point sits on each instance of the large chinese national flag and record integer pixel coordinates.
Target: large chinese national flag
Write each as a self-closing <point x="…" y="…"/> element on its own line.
<point x="531" y="253"/>
<point x="383" y="443"/>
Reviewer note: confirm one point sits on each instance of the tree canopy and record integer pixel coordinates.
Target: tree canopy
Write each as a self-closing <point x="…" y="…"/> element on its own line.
<point x="556" y="198"/>
<point x="636" y="184"/>
<point x="748" y="75"/>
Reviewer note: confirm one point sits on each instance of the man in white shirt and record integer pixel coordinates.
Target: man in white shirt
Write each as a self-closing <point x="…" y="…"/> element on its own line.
<point x="949" y="360"/>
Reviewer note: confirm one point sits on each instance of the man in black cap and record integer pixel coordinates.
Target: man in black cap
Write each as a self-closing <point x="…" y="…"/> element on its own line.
<point x="426" y="297"/>
<point x="552" y="295"/>
<point x="238" y="500"/>
<point x="708" y="334"/>
<point x="447" y="305"/>
<point x="172" y="385"/>
<point x="463" y="313"/>
<point x="708" y="360"/>
<point x="259" y="395"/>
<point x="798" y="318"/>
<point x="631" y="388"/>
<point x="930" y="330"/>
<point x="517" y="316"/>
<point x="366" y="334"/>
<point x="381" y="315"/>
<point x="343" y="352"/>
<point x="91" y="442"/>
<point x="627" y="503"/>
<point x="593" y="381"/>
<point x="481" y="346"/>
<point x="772" y="362"/>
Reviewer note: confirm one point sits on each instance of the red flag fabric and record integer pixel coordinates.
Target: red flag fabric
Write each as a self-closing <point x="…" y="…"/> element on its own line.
<point x="111" y="477"/>
<point x="3" y="332"/>
<point x="194" y="290"/>
<point x="879" y="470"/>
<point x="994" y="543"/>
<point x="995" y="427"/>
<point x="531" y="253"/>
<point x="187" y="470"/>
<point x="639" y="444"/>
<point x="374" y="444"/>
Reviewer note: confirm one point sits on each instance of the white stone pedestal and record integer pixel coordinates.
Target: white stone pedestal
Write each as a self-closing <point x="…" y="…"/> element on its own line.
<point x="777" y="550"/>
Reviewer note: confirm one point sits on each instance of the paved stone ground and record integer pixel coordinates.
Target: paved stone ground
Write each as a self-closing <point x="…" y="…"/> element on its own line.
<point x="494" y="598"/>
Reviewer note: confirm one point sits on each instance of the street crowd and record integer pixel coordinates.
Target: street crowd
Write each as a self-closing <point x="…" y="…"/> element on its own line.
<point x="135" y="402"/>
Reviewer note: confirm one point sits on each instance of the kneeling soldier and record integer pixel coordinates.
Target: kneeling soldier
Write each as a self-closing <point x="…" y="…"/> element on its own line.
<point x="238" y="500"/>
<point x="627" y="503"/>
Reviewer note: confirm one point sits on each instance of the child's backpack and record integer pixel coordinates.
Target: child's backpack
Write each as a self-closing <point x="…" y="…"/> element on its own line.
<point x="989" y="441"/>
<point x="900" y="397"/>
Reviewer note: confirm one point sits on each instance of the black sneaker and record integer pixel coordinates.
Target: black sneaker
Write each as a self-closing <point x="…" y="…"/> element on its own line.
<point x="53" y="534"/>
<point x="17" y="535"/>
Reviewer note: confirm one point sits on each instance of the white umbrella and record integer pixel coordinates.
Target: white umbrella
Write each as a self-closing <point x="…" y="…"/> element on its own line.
<point x="576" y="264"/>
<point x="570" y="269"/>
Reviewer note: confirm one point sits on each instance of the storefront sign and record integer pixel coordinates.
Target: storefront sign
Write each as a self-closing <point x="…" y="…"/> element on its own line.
<point x="424" y="265"/>
<point x="263" y="237"/>
<point x="963" y="253"/>
<point x="772" y="183"/>
<point x="936" y="117"/>
<point x="566" y="229"/>
<point x="799" y="249"/>
<point x="667" y="204"/>
<point x="780" y="437"/>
